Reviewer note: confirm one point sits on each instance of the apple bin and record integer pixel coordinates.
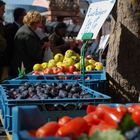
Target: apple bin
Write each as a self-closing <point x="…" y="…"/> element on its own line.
<point x="95" y="80"/>
<point x="32" y="92"/>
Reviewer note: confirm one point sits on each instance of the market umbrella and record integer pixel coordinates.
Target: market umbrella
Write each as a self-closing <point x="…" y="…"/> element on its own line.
<point x="41" y="3"/>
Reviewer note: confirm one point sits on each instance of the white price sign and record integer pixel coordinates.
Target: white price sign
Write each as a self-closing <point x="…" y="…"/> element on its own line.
<point x="96" y="15"/>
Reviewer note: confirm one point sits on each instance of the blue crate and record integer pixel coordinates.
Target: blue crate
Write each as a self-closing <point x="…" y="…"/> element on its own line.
<point x="92" y="76"/>
<point x="24" y="119"/>
<point x="7" y="104"/>
<point x="96" y="84"/>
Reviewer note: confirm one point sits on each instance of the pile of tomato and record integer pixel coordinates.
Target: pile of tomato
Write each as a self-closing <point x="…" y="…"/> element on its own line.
<point x="101" y="117"/>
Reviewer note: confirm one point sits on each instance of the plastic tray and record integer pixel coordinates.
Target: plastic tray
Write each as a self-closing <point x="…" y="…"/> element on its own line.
<point x="23" y="121"/>
<point x="89" y="76"/>
<point x="98" y="85"/>
<point x="7" y="104"/>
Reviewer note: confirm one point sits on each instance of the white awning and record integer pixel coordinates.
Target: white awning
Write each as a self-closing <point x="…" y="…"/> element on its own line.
<point x="41" y="3"/>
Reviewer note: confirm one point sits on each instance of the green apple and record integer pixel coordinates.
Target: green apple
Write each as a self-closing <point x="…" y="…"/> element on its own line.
<point x="69" y="53"/>
<point x="44" y="65"/>
<point x="75" y="58"/>
<point x="77" y="65"/>
<point x="37" y="67"/>
<point x="59" y="64"/>
<point x="89" y="67"/>
<point x="58" y="57"/>
<point x="68" y="61"/>
<point x="91" y="61"/>
<point x="51" y="63"/>
<point x="99" y="66"/>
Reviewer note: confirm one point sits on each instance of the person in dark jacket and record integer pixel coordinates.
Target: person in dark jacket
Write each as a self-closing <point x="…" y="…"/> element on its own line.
<point x="11" y="29"/>
<point x="58" y="44"/>
<point x="3" y="44"/>
<point x="29" y="49"/>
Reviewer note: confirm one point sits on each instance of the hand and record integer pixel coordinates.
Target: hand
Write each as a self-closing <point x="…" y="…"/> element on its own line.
<point x="46" y="45"/>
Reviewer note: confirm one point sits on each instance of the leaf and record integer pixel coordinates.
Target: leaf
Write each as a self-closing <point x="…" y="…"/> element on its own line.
<point x="126" y="123"/>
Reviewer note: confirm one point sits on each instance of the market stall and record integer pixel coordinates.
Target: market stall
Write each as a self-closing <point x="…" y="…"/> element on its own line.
<point x="34" y="105"/>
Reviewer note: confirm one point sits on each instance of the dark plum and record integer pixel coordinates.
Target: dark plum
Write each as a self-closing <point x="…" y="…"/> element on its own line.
<point x="87" y="95"/>
<point x="76" y="95"/>
<point x="54" y="92"/>
<point x="63" y="93"/>
<point x="53" y="84"/>
<point x="24" y="94"/>
<point x="70" y="95"/>
<point x="60" y="86"/>
<point x="35" y="97"/>
<point x="75" y="89"/>
<point x="68" y="87"/>
<point x="75" y="85"/>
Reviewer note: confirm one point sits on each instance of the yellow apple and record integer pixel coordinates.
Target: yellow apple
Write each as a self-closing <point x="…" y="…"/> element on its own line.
<point x="77" y="65"/>
<point x="59" y="64"/>
<point x="89" y="67"/>
<point x="69" y="53"/>
<point x="99" y="66"/>
<point x="91" y="61"/>
<point x="75" y="58"/>
<point x="68" y="61"/>
<point x="44" y="65"/>
<point x="37" y="67"/>
<point x="51" y="63"/>
<point x="58" y="57"/>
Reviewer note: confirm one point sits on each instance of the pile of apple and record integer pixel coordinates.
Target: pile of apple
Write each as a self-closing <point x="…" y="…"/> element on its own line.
<point x="70" y="63"/>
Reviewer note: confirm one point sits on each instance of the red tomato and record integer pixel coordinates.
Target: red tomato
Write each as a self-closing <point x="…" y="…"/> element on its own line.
<point x="90" y="108"/>
<point x="102" y="126"/>
<point x="136" y="116"/>
<point x="49" y="129"/>
<point x="62" y="121"/>
<point x="121" y="109"/>
<point x="92" y="118"/>
<point x="112" y="110"/>
<point x="32" y="133"/>
<point x="108" y="114"/>
<point x="74" y="127"/>
<point x="133" y="107"/>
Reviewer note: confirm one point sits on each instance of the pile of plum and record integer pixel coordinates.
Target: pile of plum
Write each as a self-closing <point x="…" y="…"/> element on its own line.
<point x="41" y="91"/>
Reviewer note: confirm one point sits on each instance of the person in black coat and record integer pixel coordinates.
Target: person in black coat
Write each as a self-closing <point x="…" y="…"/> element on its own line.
<point x="3" y="43"/>
<point x="11" y="29"/>
<point x="29" y="49"/>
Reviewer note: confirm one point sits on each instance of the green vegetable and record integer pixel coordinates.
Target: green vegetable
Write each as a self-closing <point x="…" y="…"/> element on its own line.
<point x="126" y="123"/>
<point x="83" y="137"/>
<point x="111" y="134"/>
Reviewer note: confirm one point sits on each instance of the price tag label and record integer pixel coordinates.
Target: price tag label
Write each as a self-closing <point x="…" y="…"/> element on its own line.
<point x="97" y="13"/>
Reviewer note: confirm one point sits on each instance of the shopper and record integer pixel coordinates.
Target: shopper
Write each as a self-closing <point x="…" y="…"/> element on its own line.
<point x="11" y="30"/>
<point x="57" y="43"/>
<point x="2" y="39"/>
<point x="43" y="35"/>
<point x="28" y="47"/>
